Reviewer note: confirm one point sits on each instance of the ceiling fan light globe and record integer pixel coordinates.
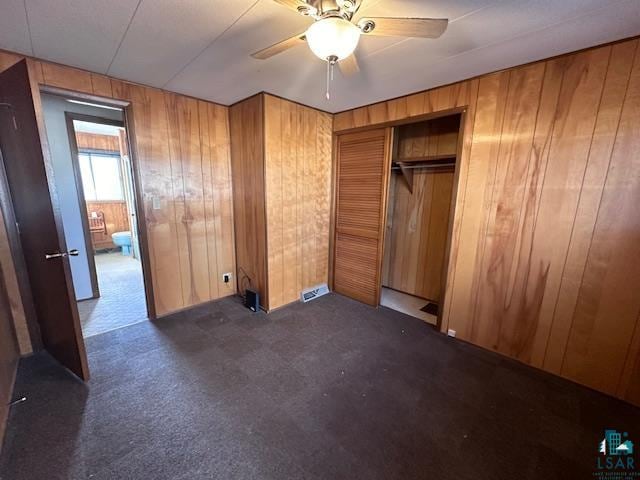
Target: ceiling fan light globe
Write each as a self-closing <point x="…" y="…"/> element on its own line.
<point x="333" y="37"/>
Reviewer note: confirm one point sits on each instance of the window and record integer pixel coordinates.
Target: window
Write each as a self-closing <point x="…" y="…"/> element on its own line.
<point x="101" y="180"/>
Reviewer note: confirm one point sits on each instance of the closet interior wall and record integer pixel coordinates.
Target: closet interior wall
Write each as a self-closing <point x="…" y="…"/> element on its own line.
<point x="418" y="216"/>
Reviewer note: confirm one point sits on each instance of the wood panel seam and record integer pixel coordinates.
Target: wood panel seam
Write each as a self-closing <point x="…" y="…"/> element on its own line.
<point x="595" y="223"/>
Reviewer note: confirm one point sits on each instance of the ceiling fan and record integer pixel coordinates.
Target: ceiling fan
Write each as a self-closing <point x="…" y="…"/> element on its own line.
<point x="333" y="37"/>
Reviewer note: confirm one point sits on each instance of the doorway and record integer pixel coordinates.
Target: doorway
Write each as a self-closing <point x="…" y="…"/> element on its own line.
<point x="419" y="213"/>
<point x="94" y="181"/>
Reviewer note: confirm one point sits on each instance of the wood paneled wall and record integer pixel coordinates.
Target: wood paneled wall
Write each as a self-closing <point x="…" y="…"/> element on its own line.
<point x="545" y="256"/>
<point x="9" y="355"/>
<point x="298" y="192"/>
<point x="183" y="158"/>
<point x="281" y="155"/>
<point x="416" y="235"/>
<point x="95" y="141"/>
<point x="418" y="221"/>
<point x="247" y="157"/>
<point x="430" y="138"/>
<point x="116" y="216"/>
<point x="13" y="291"/>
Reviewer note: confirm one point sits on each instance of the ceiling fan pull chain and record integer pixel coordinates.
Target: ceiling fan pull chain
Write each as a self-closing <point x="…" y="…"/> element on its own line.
<point x="328" y="94"/>
<point x="331" y="61"/>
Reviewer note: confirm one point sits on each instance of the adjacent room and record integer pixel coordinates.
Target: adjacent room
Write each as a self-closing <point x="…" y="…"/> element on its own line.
<point x="93" y="177"/>
<point x="319" y="239"/>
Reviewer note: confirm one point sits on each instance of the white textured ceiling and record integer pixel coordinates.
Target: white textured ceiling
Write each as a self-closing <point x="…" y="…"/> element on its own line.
<point x="202" y="47"/>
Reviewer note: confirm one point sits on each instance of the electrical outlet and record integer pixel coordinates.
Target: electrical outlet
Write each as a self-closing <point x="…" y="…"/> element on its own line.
<point x="451" y="333"/>
<point x="156" y="202"/>
<point x="226" y="277"/>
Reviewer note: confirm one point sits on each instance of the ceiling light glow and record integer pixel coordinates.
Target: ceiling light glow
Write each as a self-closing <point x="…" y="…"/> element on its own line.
<point x="333" y="38"/>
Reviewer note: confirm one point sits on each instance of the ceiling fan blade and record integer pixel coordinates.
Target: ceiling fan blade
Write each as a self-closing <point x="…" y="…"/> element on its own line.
<point x="349" y="66"/>
<point x="279" y="47"/>
<point x="403" y="27"/>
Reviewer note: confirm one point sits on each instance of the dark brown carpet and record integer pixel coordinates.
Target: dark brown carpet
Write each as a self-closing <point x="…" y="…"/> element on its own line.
<point x="331" y="389"/>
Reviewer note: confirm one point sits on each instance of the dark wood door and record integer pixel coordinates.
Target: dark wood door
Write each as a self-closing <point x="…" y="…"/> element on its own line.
<point x="361" y="190"/>
<point x="30" y="178"/>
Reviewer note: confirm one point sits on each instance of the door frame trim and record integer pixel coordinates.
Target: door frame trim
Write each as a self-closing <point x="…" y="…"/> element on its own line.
<point x="141" y="224"/>
<point x="69" y="117"/>
<point x="141" y="219"/>
<point x="463" y="112"/>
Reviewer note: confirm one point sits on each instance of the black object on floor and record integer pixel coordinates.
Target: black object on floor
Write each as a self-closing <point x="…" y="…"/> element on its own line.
<point x="252" y="300"/>
<point x="331" y="389"/>
<point x="430" y="308"/>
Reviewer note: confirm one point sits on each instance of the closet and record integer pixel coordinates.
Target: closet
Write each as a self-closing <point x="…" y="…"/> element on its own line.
<point x="418" y="213"/>
<point x="393" y="208"/>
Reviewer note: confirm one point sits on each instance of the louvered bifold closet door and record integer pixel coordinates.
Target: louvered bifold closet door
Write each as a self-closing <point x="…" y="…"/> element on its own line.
<point x="361" y="189"/>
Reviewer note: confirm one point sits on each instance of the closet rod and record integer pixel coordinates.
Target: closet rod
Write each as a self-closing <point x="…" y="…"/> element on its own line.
<point x="435" y="167"/>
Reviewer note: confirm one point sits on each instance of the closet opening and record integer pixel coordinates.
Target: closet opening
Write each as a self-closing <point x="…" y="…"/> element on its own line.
<point x="420" y="201"/>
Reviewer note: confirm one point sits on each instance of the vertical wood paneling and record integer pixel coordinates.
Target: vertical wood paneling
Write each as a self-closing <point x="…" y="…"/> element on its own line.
<point x="94" y="141"/>
<point x="183" y="156"/>
<point x="417" y="233"/>
<point x="66" y="77"/>
<point x="490" y="105"/>
<point x="298" y="195"/>
<point x="222" y="196"/>
<point x="18" y="314"/>
<point x="309" y="227"/>
<point x="544" y="251"/>
<point x="8" y="59"/>
<point x="495" y="293"/>
<point x="576" y="112"/>
<point x="289" y="171"/>
<point x="596" y="353"/>
<point x="188" y="188"/>
<point x="246" y="125"/>
<point x="152" y="145"/>
<point x="9" y="354"/>
<point x="418" y="223"/>
<point x="461" y="181"/>
<point x="604" y="135"/>
<point x="209" y="201"/>
<point x="273" y="193"/>
<point x="116" y="219"/>
<point x="101" y="85"/>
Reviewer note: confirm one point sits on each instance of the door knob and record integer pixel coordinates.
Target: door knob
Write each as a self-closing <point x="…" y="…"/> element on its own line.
<point x="73" y="252"/>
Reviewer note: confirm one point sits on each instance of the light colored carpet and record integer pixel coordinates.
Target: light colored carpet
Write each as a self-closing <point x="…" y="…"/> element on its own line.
<point x="122" y="300"/>
<point x="405" y="303"/>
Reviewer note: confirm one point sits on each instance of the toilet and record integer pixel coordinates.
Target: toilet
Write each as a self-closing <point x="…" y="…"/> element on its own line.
<point x="122" y="240"/>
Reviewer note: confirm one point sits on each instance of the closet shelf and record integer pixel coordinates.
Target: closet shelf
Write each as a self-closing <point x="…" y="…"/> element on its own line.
<point x="428" y="158"/>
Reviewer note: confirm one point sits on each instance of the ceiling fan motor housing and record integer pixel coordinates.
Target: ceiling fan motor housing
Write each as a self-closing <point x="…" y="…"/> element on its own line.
<point x="327" y="8"/>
